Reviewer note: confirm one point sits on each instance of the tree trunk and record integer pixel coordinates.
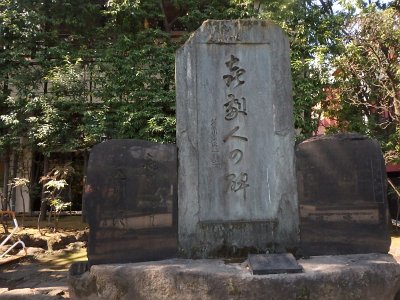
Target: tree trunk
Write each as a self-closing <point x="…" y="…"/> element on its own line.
<point x="85" y="164"/>
<point x="5" y="180"/>
<point x="33" y="179"/>
<point x="396" y="104"/>
<point x="43" y="204"/>
<point x="14" y="175"/>
<point x="23" y="205"/>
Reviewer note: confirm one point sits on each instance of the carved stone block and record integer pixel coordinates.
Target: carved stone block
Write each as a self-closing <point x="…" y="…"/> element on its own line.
<point x="342" y="196"/>
<point x="235" y="137"/>
<point x="131" y="202"/>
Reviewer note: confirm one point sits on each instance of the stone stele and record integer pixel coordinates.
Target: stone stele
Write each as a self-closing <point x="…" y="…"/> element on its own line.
<point x="342" y="195"/>
<point x="131" y="202"/>
<point x="235" y="137"/>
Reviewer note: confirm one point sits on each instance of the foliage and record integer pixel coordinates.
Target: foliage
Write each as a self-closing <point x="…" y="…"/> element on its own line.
<point x="314" y="32"/>
<point x="367" y="77"/>
<point x="137" y="76"/>
<point x="54" y="184"/>
<point x="54" y="188"/>
<point x="37" y="38"/>
<point x="21" y="183"/>
<point x="109" y="70"/>
<point x="73" y="72"/>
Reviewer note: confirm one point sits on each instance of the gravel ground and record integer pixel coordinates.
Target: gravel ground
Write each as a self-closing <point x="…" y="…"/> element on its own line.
<point x="38" y="276"/>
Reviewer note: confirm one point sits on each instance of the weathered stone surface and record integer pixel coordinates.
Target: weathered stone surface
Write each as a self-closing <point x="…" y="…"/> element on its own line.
<point x="32" y="240"/>
<point x="33" y="294"/>
<point x="235" y="136"/>
<point x="342" y="196"/>
<point x="367" y="276"/>
<point x="131" y="201"/>
<point x="60" y="241"/>
<point x="5" y="248"/>
<point x="31" y="251"/>
<point x="277" y="263"/>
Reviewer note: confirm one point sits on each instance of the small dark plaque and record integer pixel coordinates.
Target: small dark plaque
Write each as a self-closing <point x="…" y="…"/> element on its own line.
<point x="342" y="196"/>
<point x="262" y="264"/>
<point x="130" y="200"/>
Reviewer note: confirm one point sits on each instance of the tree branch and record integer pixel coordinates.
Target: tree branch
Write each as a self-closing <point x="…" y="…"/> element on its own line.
<point x="327" y="6"/>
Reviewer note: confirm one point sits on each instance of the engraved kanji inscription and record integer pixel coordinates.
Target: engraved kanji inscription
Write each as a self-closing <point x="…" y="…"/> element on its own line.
<point x="234" y="107"/>
<point x="231" y="133"/>
<point x="237" y="182"/>
<point x="235" y="72"/>
<point x="120" y="188"/>
<point x="236" y="155"/>
<point x="215" y="162"/>
<point x="150" y="165"/>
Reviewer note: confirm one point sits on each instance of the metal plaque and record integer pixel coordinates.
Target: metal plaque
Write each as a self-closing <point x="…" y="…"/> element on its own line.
<point x="262" y="264"/>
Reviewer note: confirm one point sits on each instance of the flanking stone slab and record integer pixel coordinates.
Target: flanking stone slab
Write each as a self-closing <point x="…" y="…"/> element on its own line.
<point x="131" y="201"/>
<point x="366" y="276"/>
<point x="342" y="196"/>
<point x="235" y="135"/>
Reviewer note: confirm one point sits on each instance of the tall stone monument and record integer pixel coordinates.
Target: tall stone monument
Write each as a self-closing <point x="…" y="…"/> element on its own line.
<point x="235" y="136"/>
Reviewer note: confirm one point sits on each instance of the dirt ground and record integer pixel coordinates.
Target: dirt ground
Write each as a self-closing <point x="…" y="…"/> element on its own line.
<point x="42" y="274"/>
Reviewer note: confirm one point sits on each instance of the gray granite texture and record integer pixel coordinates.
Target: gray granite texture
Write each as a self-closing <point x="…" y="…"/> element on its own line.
<point x="235" y="136"/>
<point x="340" y="277"/>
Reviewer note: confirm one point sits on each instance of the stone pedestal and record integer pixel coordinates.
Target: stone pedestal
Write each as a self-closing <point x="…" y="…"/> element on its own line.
<point x="367" y="277"/>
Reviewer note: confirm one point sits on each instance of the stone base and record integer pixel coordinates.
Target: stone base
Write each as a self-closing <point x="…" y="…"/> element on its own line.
<point x="363" y="276"/>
